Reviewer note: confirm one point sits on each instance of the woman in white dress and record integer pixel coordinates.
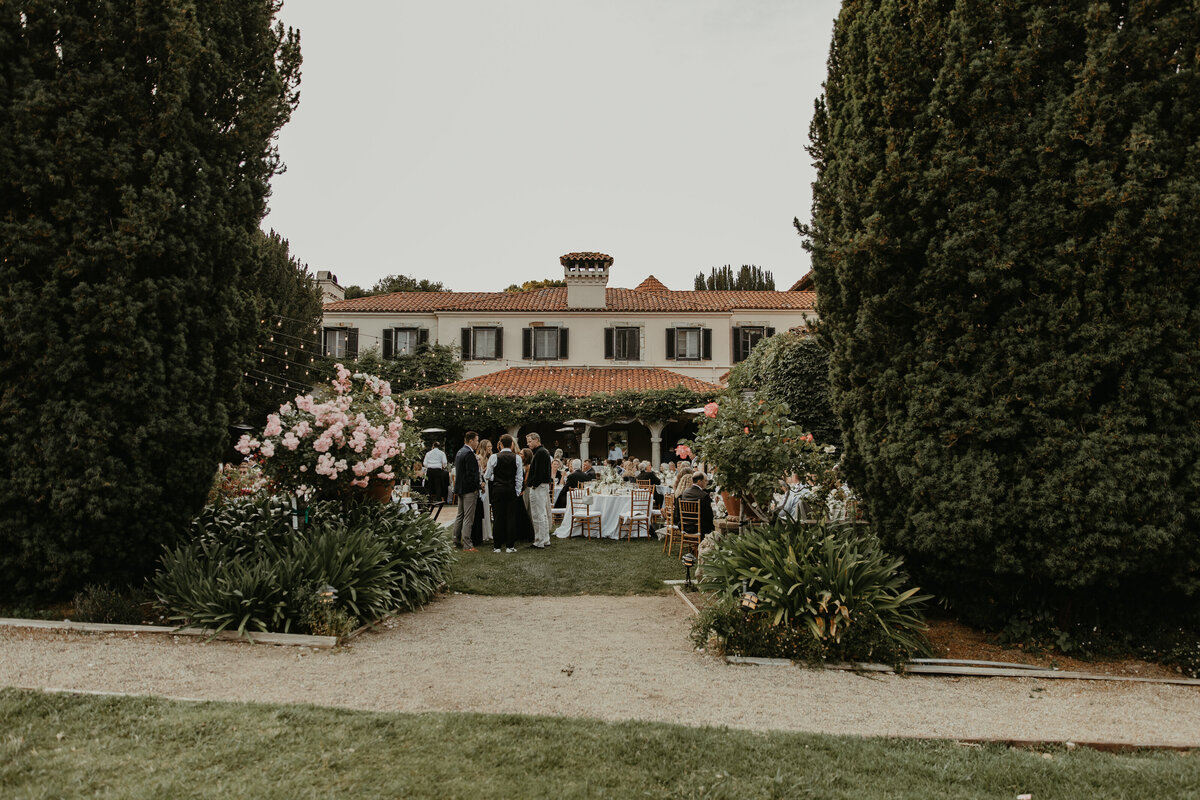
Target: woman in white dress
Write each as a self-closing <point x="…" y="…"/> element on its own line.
<point x="483" y="454"/>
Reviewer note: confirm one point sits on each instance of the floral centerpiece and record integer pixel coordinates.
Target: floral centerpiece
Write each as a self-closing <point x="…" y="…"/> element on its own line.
<point x="751" y="444"/>
<point x="608" y="482"/>
<point x="332" y="441"/>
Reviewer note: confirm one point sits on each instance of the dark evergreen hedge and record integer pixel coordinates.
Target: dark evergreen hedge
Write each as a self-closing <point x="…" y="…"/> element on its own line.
<point x="1006" y="247"/>
<point x="793" y="368"/>
<point x="135" y="155"/>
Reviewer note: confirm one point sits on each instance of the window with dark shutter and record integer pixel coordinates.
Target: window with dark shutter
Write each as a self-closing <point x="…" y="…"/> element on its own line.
<point x="466" y="344"/>
<point x="706" y="347"/>
<point x="563" y="343"/>
<point x="737" y="345"/>
<point x="387" y="341"/>
<point x="527" y="343"/>
<point x="671" y="343"/>
<point x="627" y="344"/>
<point x="351" y="344"/>
<point x="608" y="342"/>
<point x="499" y="342"/>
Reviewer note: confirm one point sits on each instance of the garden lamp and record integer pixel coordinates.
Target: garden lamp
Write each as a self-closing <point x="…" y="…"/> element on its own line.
<point x="689" y="561"/>
<point x="328" y="594"/>
<point x="749" y="601"/>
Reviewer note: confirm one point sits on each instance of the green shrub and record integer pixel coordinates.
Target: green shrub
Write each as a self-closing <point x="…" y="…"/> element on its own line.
<point x="792" y="368"/>
<point x="834" y="582"/>
<point x="97" y="603"/>
<point x="247" y="569"/>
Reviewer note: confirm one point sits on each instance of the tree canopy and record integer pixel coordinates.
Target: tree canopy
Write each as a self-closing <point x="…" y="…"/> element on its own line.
<point x="136" y="150"/>
<point x="396" y="283"/>
<point x="749" y="278"/>
<point x="792" y="368"/>
<point x="529" y="286"/>
<point x="1005" y="231"/>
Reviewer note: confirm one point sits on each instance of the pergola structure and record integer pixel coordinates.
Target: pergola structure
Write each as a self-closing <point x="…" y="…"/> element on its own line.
<point x="575" y="382"/>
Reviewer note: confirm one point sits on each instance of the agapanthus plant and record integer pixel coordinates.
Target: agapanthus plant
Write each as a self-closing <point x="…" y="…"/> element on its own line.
<point x="342" y="436"/>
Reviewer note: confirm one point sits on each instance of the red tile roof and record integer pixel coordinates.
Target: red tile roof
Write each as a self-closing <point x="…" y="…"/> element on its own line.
<point x="805" y="284"/>
<point x="647" y="297"/>
<point x="577" y="382"/>
<point x="651" y="284"/>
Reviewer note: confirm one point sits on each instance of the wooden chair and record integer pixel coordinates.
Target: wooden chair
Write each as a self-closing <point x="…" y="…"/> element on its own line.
<point x="670" y="529"/>
<point x="638" y="516"/>
<point x="582" y="514"/>
<point x="689" y="517"/>
<point x="644" y="483"/>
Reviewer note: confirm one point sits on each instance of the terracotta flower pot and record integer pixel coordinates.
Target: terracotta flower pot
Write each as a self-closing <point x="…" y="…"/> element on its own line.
<point x="380" y="490"/>
<point x="733" y="504"/>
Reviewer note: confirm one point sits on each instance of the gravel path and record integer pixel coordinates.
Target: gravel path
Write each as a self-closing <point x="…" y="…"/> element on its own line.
<point x="613" y="658"/>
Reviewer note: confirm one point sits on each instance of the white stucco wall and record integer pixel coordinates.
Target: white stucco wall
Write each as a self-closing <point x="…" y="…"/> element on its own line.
<point x="586" y="341"/>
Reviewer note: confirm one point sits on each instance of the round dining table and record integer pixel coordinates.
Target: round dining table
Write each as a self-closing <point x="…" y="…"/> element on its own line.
<point x="610" y="507"/>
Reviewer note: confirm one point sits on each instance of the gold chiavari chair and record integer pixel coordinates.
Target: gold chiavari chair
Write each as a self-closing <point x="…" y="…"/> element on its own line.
<point x="582" y="514"/>
<point x="638" y="516"/>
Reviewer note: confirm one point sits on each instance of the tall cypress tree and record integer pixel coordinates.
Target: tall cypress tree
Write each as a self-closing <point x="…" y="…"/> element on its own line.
<point x="135" y="157"/>
<point x="1006" y="247"/>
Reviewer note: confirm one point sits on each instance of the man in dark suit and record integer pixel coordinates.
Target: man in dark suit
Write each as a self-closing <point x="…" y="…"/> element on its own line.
<point x="647" y="475"/>
<point x="589" y="470"/>
<point x="467" y="484"/>
<point x="697" y="491"/>
<point x="578" y="477"/>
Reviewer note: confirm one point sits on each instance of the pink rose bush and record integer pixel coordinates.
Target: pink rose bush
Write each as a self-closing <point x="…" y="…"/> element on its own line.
<point x="342" y="436"/>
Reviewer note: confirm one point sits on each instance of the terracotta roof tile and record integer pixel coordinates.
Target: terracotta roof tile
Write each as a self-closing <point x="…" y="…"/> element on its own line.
<point x="555" y="299"/>
<point x="651" y="284"/>
<point x="577" y="382"/>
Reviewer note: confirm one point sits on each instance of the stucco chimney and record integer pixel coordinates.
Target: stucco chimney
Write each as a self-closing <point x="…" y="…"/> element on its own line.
<point x="587" y="279"/>
<point x="330" y="290"/>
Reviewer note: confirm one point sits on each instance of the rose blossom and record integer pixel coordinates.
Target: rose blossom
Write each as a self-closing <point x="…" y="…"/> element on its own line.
<point x="710" y="410"/>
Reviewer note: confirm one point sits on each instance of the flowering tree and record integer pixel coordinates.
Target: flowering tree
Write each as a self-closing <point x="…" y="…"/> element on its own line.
<point x="751" y="444"/>
<point x="325" y="444"/>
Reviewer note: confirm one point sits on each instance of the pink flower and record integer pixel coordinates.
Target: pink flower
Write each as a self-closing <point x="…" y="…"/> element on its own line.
<point x="323" y="443"/>
<point x="245" y="444"/>
<point x="362" y="482"/>
<point x="267" y="449"/>
<point x="408" y="413"/>
<point x="684" y="452"/>
<point x="274" y="426"/>
<point x="806" y="437"/>
<point x="290" y="441"/>
<point x="710" y="410"/>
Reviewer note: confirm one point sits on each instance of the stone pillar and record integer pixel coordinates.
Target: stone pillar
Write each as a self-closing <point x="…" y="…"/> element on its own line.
<point x="583" y="443"/>
<point x="513" y="430"/>
<point x="656" y="429"/>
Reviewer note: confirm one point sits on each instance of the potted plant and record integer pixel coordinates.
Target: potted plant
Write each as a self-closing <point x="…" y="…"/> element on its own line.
<point x="346" y="437"/>
<point x="751" y="444"/>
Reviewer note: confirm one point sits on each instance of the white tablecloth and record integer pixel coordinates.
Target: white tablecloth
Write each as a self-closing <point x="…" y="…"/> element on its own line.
<point x="611" y="507"/>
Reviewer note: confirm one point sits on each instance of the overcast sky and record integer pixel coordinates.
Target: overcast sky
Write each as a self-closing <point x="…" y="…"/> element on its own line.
<point x="475" y="142"/>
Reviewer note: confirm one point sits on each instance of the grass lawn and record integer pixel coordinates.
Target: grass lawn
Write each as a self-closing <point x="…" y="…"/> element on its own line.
<point x="568" y="566"/>
<point x="74" y="746"/>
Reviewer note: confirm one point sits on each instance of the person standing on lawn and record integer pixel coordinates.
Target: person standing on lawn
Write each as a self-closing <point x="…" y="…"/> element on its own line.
<point x="504" y="476"/>
<point x="538" y="490"/>
<point x="466" y="485"/>
<point x="435" y="464"/>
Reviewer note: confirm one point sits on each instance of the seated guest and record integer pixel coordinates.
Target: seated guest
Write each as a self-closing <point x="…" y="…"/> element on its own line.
<point x="697" y="491"/>
<point x="589" y="470"/>
<point x="578" y="477"/>
<point x="647" y="474"/>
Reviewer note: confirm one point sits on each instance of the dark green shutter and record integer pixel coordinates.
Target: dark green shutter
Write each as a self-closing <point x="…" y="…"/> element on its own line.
<point x="670" y="343"/>
<point x="527" y="343"/>
<point x="389" y="342"/>
<point x="352" y="344"/>
<point x="422" y="336"/>
<point x="499" y="343"/>
<point x="706" y="344"/>
<point x="466" y="344"/>
<point x="770" y="331"/>
<point x="737" y="345"/>
<point x="609" y="346"/>
<point x="563" y="347"/>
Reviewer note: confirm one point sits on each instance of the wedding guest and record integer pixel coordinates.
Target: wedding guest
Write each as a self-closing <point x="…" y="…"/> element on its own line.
<point x="466" y="485"/>
<point x="588" y="469"/>
<point x="435" y="472"/>
<point x="683" y="479"/>
<point x="697" y="491"/>
<point x="559" y="478"/>
<point x="483" y="513"/>
<point x="647" y="474"/>
<point x="504" y="475"/>
<point x="615" y="455"/>
<point x="537" y="490"/>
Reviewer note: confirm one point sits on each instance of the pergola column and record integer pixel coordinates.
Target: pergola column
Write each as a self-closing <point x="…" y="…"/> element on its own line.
<point x="584" y="439"/>
<point x="656" y="429"/>
<point x="513" y="430"/>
